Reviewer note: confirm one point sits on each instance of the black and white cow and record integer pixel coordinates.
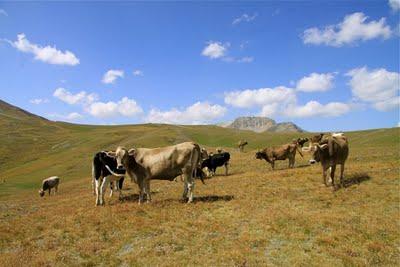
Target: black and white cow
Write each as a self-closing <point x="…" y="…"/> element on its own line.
<point x="101" y="176"/>
<point x="216" y="160"/>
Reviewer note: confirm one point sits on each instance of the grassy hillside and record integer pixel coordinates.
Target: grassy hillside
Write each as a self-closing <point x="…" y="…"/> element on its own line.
<point x="252" y="217"/>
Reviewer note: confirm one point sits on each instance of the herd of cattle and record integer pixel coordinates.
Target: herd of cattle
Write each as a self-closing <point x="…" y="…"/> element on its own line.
<point x="188" y="161"/>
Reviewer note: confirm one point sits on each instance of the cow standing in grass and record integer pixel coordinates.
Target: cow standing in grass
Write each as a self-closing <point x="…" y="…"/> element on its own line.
<point x="48" y="184"/>
<point x="102" y="168"/>
<point x="331" y="151"/>
<point x="241" y="145"/>
<point x="216" y="160"/>
<point x="165" y="163"/>
<point x="283" y="152"/>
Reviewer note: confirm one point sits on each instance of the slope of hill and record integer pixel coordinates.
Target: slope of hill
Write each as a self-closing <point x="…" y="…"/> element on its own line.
<point x="263" y="124"/>
<point x="283" y="217"/>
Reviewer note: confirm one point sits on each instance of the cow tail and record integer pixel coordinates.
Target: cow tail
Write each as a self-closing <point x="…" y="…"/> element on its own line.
<point x="198" y="163"/>
<point x="330" y="146"/>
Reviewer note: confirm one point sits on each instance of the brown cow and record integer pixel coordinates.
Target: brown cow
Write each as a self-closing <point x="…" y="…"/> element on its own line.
<point x="283" y="152"/>
<point x="331" y="151"/>
<point x="241" y="144"/>
<point x="165" y="163"/>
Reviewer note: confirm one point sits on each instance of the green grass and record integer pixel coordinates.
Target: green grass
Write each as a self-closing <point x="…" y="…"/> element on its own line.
<point x="252" y="217"/>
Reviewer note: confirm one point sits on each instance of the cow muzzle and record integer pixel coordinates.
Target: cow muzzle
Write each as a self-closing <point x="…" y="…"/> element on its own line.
<point x="312" y="161"/>
<point x="120" y="167"/>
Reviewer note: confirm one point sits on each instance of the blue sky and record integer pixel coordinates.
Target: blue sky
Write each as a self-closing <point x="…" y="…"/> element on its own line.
<point x="324" y="65"/>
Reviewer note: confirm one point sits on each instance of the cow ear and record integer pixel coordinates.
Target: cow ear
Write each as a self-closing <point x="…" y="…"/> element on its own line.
<point x="131" y="151"/>
<point x="111" y="154"/>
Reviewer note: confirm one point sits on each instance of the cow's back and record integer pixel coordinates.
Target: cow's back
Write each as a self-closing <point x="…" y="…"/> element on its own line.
<point x="166" y="163"/>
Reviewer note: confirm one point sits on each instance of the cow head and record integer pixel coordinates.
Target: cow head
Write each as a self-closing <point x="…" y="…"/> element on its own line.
<point x="122" y="156"/>
<point x="260" y="154"/>
<point x="41" y="192"/>
<point x="316" y="152"/>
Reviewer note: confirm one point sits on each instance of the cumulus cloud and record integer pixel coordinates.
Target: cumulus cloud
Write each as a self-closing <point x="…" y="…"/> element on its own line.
<point x="198" y="113"/>
<point x="125" y="107"/>
<point x="3" y="12"/>
<point x="244" y="18"/>
<point x="138" y="73"/>
<point x="353" y="28"/>
<point x="38" y="101"/>
<point x="259" y="97"/>
<point x="378" y="87"/>
<point x="215" y="50"/>
<point x="46" y="54"/>
<point x="316" y="109"/>
<point x="72" y="99"/>
<point x="315" y="82"/>
<point x="111" y="75"/>
<point x="394" y="4"/>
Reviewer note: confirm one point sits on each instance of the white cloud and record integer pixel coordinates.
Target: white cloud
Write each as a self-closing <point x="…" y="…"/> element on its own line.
<point x="269" y="110"/>
<point x="111" y="75"/>
<point x="245" y="60"/>
<point x="138" y="73"/>
<point x="125" y="107"/>
<point x="260" y="97"/>
<point x="3" y="12"/>
<point x="244" y="18"/>
<point x="394" y="4"/>
<point x="38" y="101"/>
<point x="74" y="116"/>
<point x="353" y="28"/>
<point x="378" y="87"/>
<point x="46" y="54"/>
<point x="215" y="50"/>
<point x="72" y="99"/>
<point x="315" y="82"/>
<point x="198" y="113"/>
<point x="315" y="109"/>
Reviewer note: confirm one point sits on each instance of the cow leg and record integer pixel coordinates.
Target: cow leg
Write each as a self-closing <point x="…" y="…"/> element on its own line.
<point x="141" y="189"/>
<point x="189" y="183"/>
<point x="273" y="164"/>
<point x="333" y="168"/>
<point x="226" y="168"/>
<point x="55" y="189"/>
<point x="147" y="190"/>
<point x="341" y="173"/>
<point x="185" y="190"/>
<point x="49" y="191"/>
<point x="97" y="182"/>
<point x="94" y="186"/>
<point x="103" y="190"/>
<point x="111" y="188"/>
<point x="324" y="175"/>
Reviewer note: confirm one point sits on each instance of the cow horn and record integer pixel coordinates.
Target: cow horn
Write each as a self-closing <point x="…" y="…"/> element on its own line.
<point x="131" y="151"/>
<point x="111" y="154"/>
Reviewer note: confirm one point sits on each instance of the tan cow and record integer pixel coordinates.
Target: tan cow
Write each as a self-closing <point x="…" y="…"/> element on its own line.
<point x="241" y="144"/>
<point x="165" y="163"/>
<point x="331" y="151"/>
<point x="287" y="151"/>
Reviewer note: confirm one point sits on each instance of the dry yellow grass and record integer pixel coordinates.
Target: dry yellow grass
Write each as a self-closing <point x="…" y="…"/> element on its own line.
<point x="253" y="217"/>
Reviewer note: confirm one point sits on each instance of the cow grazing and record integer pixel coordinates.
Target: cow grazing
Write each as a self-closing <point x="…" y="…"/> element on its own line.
<point x="241" y="144"/>
<point x="300" y="141"/>
<point x="331" y="151"/>
<point x="103" y="167"/>
<point x="216" y="160"/>
<point x="48" y="184"/>
<point x="166" y="163"/>
<point x="283" y="152"/>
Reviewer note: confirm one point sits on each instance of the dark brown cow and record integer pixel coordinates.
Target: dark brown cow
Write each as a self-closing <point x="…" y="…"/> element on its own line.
<point x="283" y="152"/>
<point x="300" y="141"/>
<point x="331" y="151"/>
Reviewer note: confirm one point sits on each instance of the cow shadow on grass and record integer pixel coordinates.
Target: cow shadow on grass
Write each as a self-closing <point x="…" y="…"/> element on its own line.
<point x="213" y="198"/>
<point x="132" y="197"/>
<point x="355" y="178"/>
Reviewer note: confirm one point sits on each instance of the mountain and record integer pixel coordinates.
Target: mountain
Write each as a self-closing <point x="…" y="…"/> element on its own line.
<point x="263" y="124"/>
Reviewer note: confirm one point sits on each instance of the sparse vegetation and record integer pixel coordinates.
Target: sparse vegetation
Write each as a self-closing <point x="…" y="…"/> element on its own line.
<point x="254" y="216"/>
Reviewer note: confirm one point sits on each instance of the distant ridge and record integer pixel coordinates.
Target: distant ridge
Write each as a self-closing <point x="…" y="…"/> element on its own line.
<point x="11" y="111"/>
<point x="263" y="124"/>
